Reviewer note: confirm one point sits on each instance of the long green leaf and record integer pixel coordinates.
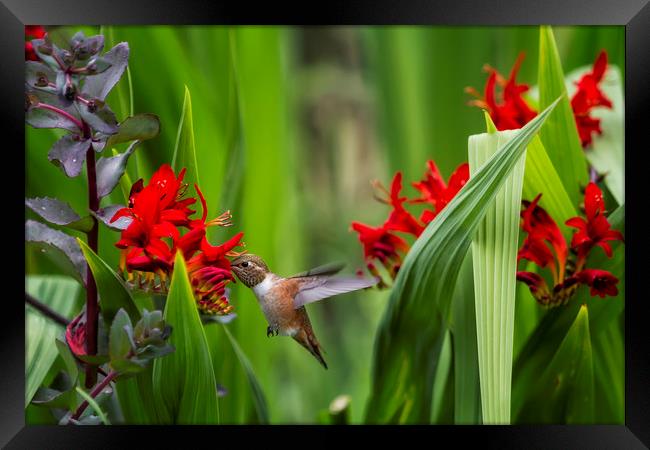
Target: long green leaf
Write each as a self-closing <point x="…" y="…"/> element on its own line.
<point x="258" y="395"/>
<point x="564" y="391"/>
<point x="560" y="135"/>
<point x="494" y="251"/>
<point x="609" y="374"/>
<point x="410" y="336"/>
<point x="60" y="294"/>
<point x="185" y="390"/>
<point x="113" y="293"/>
<point x="185" y="150"/>
<point x="467" y="407"/>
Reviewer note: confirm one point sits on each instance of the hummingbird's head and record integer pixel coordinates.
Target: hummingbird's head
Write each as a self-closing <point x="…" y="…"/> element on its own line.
<point x="250" y="269"/>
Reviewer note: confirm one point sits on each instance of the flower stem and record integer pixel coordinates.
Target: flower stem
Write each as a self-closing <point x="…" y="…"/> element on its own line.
<point x="46" y="310"/>
<point x="92" y="308"/>
<point x="94" y="393"/>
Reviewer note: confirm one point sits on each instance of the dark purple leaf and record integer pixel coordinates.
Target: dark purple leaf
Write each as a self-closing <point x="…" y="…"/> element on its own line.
<point x="69" y="153"/>
<point x="39" y="75"/>
<point x="57" y="244"/>
<point x="100" y="118"/>
<point x="59" y="213"/>
<point x="39" y="117"/>
<point x="106" y="214"/>
<point x="140" y="127"/>
<point x="98" y="65"/>
<point x="98" y="86"/>
<point x="84" y="47"/>
<point x="110" y="170"/>
<point x="45" y="50"/>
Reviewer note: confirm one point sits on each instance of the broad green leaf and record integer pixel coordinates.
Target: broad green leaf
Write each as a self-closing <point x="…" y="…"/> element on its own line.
<point x="185" y="151"/>
<point x="185" y="390"/>
<point x="540" y="177"/>
<point x="564" y="391"/>
<point x="113" y="293"/>
<point x="136" y="398"/>
<point x="60" y="294"/>
<point x="560" y="135"/>
<point x="258" y="395"/>
<point x="467" y="406"/>
<point x="609" y="374"/>
<point x="494" y="251"/>
<point x="606" y="153"/>
<point x="409" y="340"/>
<point x="139" y="127"/>
<point x="442" y="403"/>
<point x="119" y="344"/>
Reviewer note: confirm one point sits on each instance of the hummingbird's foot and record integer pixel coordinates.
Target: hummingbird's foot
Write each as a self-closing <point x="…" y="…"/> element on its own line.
<point x="271" y="331"/>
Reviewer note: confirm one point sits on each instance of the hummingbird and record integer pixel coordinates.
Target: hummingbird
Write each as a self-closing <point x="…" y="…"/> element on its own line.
<point x="283" y="300"/>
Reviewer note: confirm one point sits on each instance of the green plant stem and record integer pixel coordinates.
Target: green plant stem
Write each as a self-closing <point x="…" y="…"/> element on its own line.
<point x="94" y="393"/>
<point x="92" y="308"/>
<point x="46" y="310"/>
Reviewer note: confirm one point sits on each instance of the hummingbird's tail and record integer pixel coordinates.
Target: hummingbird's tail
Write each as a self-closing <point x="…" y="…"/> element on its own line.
<point x="307" y="339"/>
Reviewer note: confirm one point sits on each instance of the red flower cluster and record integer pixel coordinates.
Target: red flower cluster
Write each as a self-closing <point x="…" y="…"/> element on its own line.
<point x="589" y="96"/>
<point x="32" y="32"/>
<point x="546" y="247"/>
<point x="149" y="244"/>
<point x="510" y="111"/>
<point x="382" y="243"/>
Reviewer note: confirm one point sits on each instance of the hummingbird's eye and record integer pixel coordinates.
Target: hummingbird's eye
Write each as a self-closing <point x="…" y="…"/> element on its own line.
<point x="244" y="264"/>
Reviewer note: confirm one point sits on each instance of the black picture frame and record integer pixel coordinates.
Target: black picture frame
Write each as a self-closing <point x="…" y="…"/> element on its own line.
<point x="633" y="14"/>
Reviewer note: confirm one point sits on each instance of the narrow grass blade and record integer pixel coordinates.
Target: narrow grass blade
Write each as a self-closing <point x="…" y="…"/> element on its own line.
<point x="60" y="294"/>
<point x="494" y="251"/>
<point x="560" y="135"/>
<point x="185" y="150"/>
<point x="93" y="405"/>
<point x="410" y="336"/>
<point x="185" y="390"/>
<point x="258" y="395"/>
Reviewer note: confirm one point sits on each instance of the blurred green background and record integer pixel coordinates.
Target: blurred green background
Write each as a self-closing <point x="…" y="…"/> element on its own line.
<point x="291" y="125"/>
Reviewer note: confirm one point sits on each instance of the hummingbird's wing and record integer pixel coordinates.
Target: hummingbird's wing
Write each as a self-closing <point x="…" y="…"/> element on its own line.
<point x="326" y="269"/>
<point x="317" y="288"/>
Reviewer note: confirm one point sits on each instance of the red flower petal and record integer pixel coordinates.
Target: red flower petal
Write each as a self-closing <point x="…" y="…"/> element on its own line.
<point x="601" y="282"/>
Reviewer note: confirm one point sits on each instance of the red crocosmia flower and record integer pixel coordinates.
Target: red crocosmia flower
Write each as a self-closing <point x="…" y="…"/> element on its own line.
<point x="75" y="335"/>
<point x="436" y="192"/>
<point x="542" y="230"/>
<point x="601" y="282"/>
<point x="32" y="32"/>
<point x="209" y="273"/>
<point x="541" y="227"/>
<point x="381" y="244"/>
<point x="400" y="219"/>
<point x="159" y="211"/>
<point x="596" y="230"/>
<point x="589" y="96"/>
<point x="511" y="111"/>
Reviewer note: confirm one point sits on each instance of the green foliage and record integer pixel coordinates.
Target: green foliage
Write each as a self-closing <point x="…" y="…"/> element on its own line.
<point x="494" y="250"/>
<point x="185" y="150"/>
<point x="560" y="136"/>
<point x="60" y="294"/>
<point x="113" y="293"/>
<point x="410" y="338"/>
<point x="184" y="387"/>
